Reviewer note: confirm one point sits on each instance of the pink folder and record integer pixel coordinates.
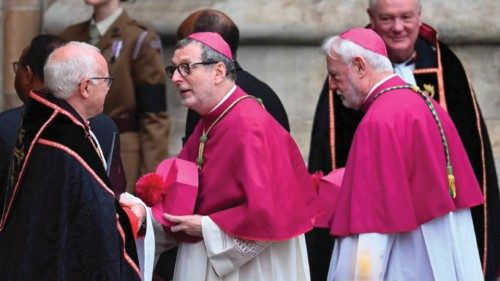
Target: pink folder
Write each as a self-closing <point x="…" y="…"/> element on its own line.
<point x="181" y="188"/>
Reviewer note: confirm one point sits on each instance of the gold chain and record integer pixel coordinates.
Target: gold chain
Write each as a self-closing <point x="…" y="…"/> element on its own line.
<point x="204" y="136"/>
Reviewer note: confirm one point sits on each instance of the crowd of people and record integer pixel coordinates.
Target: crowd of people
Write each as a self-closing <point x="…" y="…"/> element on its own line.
<point x="419" y="197"/>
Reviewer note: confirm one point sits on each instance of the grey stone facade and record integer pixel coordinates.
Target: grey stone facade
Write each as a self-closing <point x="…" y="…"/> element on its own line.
<point x="280" y="39"/>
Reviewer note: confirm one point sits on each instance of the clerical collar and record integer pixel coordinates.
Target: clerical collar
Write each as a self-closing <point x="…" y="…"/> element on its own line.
<point x="378" y="84"/>
<point x="231" y="91"/>
<point x="406" y="68"/>
<point x="106" y="23"/>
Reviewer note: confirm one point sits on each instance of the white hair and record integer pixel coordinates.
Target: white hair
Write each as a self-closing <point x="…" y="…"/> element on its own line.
<point x="373" y="3"/>
<point x="348" y="50"/>
<point x="64" y="70"/>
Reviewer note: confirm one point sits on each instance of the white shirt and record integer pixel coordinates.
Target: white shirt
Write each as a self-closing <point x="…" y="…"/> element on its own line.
<point x="405" y="70"/>
<point x="229" y="93"/>
<point x="104" y="25"/>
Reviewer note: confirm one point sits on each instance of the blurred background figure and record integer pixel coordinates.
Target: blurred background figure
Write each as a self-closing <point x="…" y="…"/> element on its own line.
<point x="137" y="101"/>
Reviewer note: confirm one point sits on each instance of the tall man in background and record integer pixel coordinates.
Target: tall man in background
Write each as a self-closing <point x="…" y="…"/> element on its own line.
<point x="137" y="102"/>
<point x="421" y="59"/>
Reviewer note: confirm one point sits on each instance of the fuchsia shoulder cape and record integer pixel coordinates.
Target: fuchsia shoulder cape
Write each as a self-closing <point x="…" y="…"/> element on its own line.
<point x="395" y="178"/>
<point x="253" y="183"/>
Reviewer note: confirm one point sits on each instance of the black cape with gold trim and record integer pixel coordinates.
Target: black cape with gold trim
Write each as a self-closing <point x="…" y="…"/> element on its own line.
<point x="439" y="71"/>
<point x="60" y="220"/>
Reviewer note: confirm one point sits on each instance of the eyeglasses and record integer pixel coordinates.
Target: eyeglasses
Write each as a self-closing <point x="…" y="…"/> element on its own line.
<point x="184" y="68"/>
<point x="109" y="79"/>
<point x="15" y="66"/>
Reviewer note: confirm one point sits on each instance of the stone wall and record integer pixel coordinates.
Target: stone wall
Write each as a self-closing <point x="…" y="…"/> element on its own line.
<point x="20" y="22"/>
<point x="296" y="21"/>
<point x="280" y="39"/>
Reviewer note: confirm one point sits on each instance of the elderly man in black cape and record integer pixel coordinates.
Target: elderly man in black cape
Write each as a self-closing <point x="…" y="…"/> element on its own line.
<point x="61" y="220"/>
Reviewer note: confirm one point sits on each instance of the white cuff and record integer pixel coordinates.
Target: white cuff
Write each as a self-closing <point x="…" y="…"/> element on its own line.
<point x="227" y="253"/>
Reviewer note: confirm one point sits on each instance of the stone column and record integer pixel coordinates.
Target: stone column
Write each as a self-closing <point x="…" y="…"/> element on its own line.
<point x="21" y="22"/>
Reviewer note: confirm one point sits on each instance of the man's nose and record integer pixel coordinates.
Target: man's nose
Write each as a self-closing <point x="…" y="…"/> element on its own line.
<point x="398" y="24"/>
<point x="176" y="77"/>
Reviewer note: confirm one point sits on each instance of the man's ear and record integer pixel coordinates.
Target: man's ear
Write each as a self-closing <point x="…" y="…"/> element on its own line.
<point x="220" y="72"/>
<point x="83" y="88"/>
<point x="372" y="18"/>
<point x="30" y="76"/>
<point x="359" y="65"/>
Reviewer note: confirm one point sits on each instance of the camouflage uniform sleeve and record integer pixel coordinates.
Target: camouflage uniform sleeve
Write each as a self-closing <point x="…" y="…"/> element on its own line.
<point x="149" y="80"/>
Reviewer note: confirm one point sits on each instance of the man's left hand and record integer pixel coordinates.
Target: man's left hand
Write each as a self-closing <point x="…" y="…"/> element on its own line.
<point x="189" y="224"/>
<point x="137" y="208"/>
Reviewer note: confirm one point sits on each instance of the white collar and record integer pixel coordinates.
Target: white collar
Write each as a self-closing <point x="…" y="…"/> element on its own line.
<point x="106" y="23"/>
<point x="229" y="93"/>
<point x="385" y="79"/>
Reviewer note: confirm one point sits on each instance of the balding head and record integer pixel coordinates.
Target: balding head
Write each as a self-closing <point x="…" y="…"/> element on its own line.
<point x="78" y="73"/>
<point x="211" y="21"/>
<point x="68" y="65"/>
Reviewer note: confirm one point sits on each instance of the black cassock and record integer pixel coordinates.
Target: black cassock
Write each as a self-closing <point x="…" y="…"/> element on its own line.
<point x="60" y="219"/>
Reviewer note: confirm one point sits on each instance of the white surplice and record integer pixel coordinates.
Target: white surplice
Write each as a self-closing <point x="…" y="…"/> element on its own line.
<point x="443" y="249"/>
<point x="145" y="245"/>
<point x="220" y="256"/>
